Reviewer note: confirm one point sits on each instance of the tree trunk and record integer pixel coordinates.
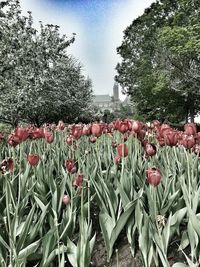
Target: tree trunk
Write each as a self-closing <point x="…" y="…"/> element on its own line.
<point x="192" y="113"/>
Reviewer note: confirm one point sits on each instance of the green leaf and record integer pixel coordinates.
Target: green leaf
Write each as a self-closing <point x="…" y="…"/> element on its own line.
<point x="179" y="264"/>
<point x="72" y="253"/>
<point x="30" y="249"/>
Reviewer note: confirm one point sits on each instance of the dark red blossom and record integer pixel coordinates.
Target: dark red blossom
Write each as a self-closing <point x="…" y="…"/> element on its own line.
<point x="76" y="131"/>
<point x="61" y="125"/>
<point x="33" y="159"/>
<point x="96" y="129"/>
<point x="70" y="165"/>
<point x="190" y="129"/>
<point x="150" y="149"/>
<point x="78" y="181"/>
<point x="22" y="133"/>
<point x="49" y="137"/>
<point x="122" y="150"/>
<point x="153" y="176"/>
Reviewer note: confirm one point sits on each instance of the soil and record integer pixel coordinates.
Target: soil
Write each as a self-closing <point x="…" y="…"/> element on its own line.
<point x="125" y="258"/>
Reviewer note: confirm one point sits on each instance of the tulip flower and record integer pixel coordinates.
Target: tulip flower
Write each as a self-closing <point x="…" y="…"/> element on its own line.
<point x="137" y="126"/>
<point x="78" y="181"/>
<point x="70" y="165"/>
<point x="77" y="131"/>
<point x="86" y="130"/>
<point x="49" y="137"/>
<point x="66" y="200"/>
<point x="122" y="150"/>
<point x="37" y="133"/>
<point x="153" y="176"/>
<point x="187" y="141"/>
<point x="96" y="129"/>
<point x="69" y="140"/>
<point x="171" y="138"/>
<point x="150" y="149"/>
<point x="123" y="127"/>
<point x="61" y="125"/>
<point x="22" y="133"/>
<point x="190" y="129"/>
<point x="13" y="140"/>
<point x="33" y="159"/>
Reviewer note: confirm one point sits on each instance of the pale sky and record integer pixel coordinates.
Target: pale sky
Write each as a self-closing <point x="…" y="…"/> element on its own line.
<point x="99" y="26"/>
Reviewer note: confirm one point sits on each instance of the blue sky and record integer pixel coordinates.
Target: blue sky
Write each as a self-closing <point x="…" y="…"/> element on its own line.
<point x="99" y="26"/>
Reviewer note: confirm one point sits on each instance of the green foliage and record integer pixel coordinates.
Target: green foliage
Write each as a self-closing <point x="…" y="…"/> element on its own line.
<point x="39" y="81"/>
<point x="160" y="61"/>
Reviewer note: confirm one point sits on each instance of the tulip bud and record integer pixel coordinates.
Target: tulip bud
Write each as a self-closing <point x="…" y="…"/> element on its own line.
<point x="69" y="140"/>
<point x="153" y="176"/>
<point x="66" y="199"/>
<point x="70" y="166"/>
<point x="122" y="150"/>
<point x="190" y="129"/>
<point x="78" y="182"/>
<point x="49" y="137"/>
<point x="33" y="159"/>
<point x="96" y="129"/>
<point x="150" y="149"/>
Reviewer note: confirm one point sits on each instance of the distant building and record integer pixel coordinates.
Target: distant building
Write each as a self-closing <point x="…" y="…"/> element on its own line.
<point x="107" y="102"/>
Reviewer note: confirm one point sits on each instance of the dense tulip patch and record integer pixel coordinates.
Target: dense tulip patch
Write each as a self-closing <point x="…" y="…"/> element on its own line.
<point x="143" y="179"/>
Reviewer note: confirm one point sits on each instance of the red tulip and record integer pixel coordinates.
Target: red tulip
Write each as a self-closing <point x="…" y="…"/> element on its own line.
<point x="171" y="138"/>
<point x="190" y="129"/>
<point x="69" y="140"/>
<point x="123" y="126"/>
<point x="153" y="176"/>
<point x="33" y="159"/>
<point x="187" y="141"/>
<point x="61" y="125"/>
<point x="137" y="126"/>
<point x="150" y="149"/>
<point x="164" y="129"/>
<point x="66" y="199"/>
<point x="13" y="140"/>
<point x="70" y="165"/>
<point x="49" y="137"/>
<point x="76" y="131"/>
<point x="197" y="137"/>
<point x="122" y="150"/>
<point x="78" y="180"/>
<point x="96" y="129"/>
<point x="86" y="129"/>
<point x="22" y="133"/>
<point x="37" y="133"/>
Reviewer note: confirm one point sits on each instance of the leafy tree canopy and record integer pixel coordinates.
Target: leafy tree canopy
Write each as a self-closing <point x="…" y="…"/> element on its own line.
<point x="39" y="81"/>
<point x="160" y="60"/>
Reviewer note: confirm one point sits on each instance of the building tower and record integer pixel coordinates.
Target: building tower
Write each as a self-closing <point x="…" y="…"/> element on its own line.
<point x="116" y="92"/>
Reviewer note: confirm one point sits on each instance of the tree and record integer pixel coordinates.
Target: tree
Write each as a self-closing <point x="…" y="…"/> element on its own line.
<point x="39" y="81"/>
<point x="153" y="63"/>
